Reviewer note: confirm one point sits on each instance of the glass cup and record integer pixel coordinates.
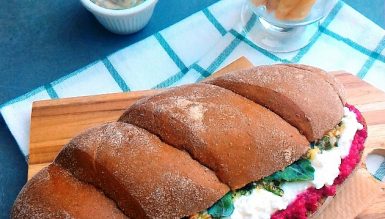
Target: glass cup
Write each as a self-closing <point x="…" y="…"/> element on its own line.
<point x="282" y="25"/>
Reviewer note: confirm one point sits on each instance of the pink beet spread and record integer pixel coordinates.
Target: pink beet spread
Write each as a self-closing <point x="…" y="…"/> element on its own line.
<point x="308" y="201"/>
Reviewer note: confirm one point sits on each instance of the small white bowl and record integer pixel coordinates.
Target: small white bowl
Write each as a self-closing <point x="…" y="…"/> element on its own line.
<point x="124" y="21"/>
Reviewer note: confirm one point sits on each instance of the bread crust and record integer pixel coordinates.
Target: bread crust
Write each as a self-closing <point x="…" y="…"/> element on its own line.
<point x="55" y="193"/>
<point x="215" y="139"/>
<point x="218" y="127"/>
<point x="306" y="100"/>
<point x="144" y="176"/>
<point x="329" y="78"/>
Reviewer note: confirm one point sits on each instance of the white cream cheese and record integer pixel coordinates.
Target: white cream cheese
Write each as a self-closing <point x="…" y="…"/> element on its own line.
<point x="351" y="125"/>
<point x="326" y="165"/>
<point x="117" y="4"/>
<point x="292" y="189"/>
<point x="261" y="204"/>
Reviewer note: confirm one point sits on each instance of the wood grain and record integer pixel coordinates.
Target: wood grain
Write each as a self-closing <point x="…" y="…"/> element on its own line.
<point x="55" y="122"/>
<point x="375" y="211"/>
<point x="354" y="196"/>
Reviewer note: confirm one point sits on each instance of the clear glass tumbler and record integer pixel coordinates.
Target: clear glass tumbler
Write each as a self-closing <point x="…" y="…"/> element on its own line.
<point x="283" y="25"/>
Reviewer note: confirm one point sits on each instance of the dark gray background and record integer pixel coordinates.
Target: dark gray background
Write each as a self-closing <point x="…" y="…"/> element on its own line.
<point x="42" y="40"/>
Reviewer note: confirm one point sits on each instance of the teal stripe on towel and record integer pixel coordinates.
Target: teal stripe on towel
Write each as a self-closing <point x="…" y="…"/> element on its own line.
<point x="115" y="75"/>
<point x="380" y="173"/>
<point x="259" y="49"/>
<point x="214" y="21"/>
<point x="231" y="47"/>
<point x="51" y="92"/>
<point x="250" y="24"/>
<point x="373" y="57"/>
<point x="171" y="80"/>
<point x="222" y="57"/>
<point x="170" y="52"/>
<point x="333" y="13"/>
<point x="353" y="44"/>
<point x="201" y="70"/>
<point x="175" y="58"/>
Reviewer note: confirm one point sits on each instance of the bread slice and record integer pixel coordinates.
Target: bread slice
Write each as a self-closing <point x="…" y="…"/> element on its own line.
<point x="54" y="193"/>
<point x="144" y="176"/>
<point x="303" y="96"/>
<point x="329" y="78"/>
<point x="239" y="140"/>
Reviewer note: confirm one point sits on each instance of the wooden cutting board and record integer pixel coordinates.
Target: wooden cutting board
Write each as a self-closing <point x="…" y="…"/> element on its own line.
<point x="55" y="122"/>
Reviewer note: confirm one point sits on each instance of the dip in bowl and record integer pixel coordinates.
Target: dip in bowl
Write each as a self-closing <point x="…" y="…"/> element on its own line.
<point x="121" y="16"/>
<point x="117" y="4"/>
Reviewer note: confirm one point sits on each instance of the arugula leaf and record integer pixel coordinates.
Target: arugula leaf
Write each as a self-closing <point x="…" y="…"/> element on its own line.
<point x="272" y="187"/>
<point x="222" y="208"/>
<point x="330" y="140"/>
<point x="325" y="143"/>
<point x="301" y="170"/>
<point x="245" y="190"/>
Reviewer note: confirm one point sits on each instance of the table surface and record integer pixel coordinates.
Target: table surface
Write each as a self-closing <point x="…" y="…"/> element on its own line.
<point x="43" y="40"/>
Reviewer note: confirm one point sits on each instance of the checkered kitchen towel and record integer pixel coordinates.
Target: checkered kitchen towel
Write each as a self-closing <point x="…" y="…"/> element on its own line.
<point x="201" y="44"/>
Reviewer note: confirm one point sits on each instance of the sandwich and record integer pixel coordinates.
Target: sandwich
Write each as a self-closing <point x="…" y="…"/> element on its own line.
<point x="267" y="142"/>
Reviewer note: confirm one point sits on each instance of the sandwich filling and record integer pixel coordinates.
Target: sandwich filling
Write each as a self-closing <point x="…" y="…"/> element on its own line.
<point x="297" y="190"/>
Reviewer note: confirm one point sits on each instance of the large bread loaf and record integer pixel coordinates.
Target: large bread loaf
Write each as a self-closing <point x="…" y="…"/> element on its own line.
<point x="176" y="153"/>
